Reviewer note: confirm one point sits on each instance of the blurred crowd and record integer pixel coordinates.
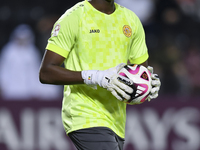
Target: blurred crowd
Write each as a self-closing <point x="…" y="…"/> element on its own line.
<point x="172" y="33"/>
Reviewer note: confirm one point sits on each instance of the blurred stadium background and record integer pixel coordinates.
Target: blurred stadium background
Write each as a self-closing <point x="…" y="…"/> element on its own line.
<point x="31" y="120"/>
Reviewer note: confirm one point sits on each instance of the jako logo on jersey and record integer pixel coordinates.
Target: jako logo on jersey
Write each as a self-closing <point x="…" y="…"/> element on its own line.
<point x="127" y="31"/>
<point x="95" y="31"/>
<point x="56" y="30"/>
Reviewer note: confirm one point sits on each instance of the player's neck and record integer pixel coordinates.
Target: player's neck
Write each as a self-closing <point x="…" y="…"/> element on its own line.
<point x="105" y="6"/>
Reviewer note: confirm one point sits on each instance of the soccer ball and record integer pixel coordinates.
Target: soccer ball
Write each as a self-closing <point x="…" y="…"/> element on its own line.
<point x="141" y="78"/>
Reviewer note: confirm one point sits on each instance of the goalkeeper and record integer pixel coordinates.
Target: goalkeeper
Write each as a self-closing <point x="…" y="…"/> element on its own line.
<point x="95" y="39"/>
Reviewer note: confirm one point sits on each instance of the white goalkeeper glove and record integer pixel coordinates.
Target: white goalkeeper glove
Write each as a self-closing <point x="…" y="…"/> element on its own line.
<point x="109" y="79"/>
<point x="155" y="84"/>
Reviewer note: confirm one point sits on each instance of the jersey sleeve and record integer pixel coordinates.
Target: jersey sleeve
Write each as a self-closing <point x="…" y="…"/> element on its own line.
<point x="139" y="52"/>
<point x="63" y="35"/>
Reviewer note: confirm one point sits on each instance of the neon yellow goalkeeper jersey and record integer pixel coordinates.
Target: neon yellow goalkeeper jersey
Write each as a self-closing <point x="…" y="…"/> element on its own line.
<point x="92" y="40"/>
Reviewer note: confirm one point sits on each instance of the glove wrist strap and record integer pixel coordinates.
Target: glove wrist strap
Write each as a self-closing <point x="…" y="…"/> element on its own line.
<point x="89" y="76"/>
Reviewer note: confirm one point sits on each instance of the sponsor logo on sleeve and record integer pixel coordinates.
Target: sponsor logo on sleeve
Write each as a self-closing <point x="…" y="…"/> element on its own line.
<point x="56" y="30"/>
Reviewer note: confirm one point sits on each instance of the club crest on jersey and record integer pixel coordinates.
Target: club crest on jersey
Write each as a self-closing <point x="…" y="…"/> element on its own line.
<point x="127" y="31"/>
<point x="56" y="30"/>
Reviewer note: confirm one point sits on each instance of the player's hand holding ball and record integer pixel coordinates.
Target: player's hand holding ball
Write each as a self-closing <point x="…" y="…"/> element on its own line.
<point x="146" y="84"/>
<point x="142" y="83"/>
<point x="118" y="85"/>
<point x="155" y="84"/>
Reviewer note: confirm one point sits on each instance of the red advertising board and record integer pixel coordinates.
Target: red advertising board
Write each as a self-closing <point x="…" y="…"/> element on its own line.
<point x="169" y="124"/>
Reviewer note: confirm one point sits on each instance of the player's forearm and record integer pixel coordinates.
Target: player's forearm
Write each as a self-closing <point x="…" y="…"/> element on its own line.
<point x="59" y="76"/>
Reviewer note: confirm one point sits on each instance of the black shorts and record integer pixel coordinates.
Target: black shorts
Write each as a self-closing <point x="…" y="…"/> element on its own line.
<point x="97" y="138"/>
